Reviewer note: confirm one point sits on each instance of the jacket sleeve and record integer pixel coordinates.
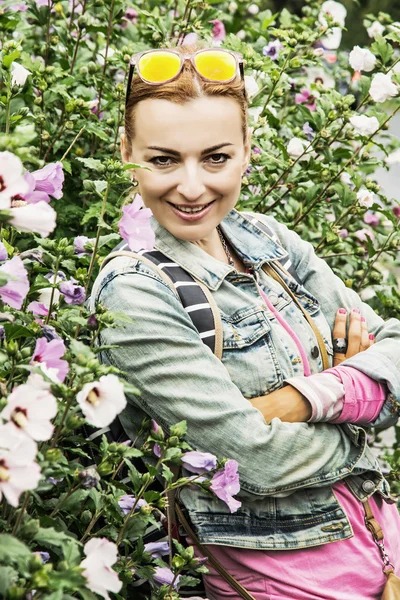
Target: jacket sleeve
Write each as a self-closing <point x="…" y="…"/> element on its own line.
<point x="180" y="378"/>
<point x="381" y="361"/>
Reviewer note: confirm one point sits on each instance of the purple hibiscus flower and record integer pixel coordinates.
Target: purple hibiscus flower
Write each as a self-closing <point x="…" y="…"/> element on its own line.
<point x="371" y="219"/>
<point x="15" y="290"/>
<point x="305" y="97"/>
<point x="73" y="293"/>
<point x="218" y="31"/>
<point x="157" y="549"/>
<point x="3" y="252"/>
<point x="79" y="245"/>
<point x="164" y="576"/>
<point x="127" y="501"/>
<point x="272" y="49"/>
<point x="44" y="183"/>
<point x="48" y="356"/>
<point x="198" y="462"/>
<point x="135" y="228"/>
<point x="308" y="130"/>
<point x="225" y="484"/>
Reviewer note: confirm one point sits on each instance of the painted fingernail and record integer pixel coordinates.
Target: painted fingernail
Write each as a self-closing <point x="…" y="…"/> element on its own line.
<point x="371" y="336"/>
<point x="342" y="311"/>
<point x="355" y="310"/>
<point x="362" y="320"/>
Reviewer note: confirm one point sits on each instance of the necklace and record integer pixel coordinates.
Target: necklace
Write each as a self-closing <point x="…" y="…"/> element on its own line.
<point x="224" y="244"/>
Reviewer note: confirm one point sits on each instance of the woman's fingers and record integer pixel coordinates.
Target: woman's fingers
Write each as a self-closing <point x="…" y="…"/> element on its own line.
<point x="371" y="339"/>
<point x="354" y="337"/>
<point x="339" y="331"/>
<point x="365" y="341"/>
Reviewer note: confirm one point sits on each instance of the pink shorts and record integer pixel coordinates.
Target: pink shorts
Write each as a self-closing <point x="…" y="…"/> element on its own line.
<point x="344" y="570"/>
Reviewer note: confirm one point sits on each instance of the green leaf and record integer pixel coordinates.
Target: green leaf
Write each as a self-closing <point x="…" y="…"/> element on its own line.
<point x="13" y="551"/>
<point x="269" y="21"/>
<point x="7" y="60"/>
<point x="98" y="186"/>
<point x="167" y="473"/>
<point x="382" y="49"/>
<point x="285" y="18"/>
<point x="110" y="237"/>
<point x="189" y="581"/>
<point x="173" y="454"/>
<point x="133" y="453"/>
<point x="7" y="578"/>
<point x="67" y="166"/>
<point x="92" y="163"/>
<point x="50" y="537"/>
<point x="79" y="348"/>
<point x="86" y="595"/>
<point x="179" y="429"/>
<point x="14" y="332"/>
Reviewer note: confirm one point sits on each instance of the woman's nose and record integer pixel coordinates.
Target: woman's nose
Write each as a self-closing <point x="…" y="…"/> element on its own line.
<point x="191" y="185"/>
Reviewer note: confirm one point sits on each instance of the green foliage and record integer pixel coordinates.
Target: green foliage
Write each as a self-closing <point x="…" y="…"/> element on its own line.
<point x="310" y="167"/>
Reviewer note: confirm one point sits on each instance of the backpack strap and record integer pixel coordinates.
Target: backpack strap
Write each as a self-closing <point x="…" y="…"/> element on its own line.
<point x="284" y="263"/>
<point x="195" y="297"/>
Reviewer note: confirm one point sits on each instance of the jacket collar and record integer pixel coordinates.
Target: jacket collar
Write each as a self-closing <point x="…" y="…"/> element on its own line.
<point x="254" y="246"/>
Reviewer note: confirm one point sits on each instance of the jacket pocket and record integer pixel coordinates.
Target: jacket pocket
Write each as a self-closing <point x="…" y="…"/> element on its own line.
<point x="249" y="353"/>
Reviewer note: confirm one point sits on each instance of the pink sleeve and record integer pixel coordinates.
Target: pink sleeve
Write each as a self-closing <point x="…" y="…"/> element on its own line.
<point x="363" y="397"/>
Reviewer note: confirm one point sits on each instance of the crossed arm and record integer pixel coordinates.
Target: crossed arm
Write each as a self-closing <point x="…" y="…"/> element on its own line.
<point x="289" y="404"/>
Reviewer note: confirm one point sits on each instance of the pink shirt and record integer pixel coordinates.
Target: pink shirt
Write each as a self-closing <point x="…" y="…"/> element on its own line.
<point x="341" y="570"/>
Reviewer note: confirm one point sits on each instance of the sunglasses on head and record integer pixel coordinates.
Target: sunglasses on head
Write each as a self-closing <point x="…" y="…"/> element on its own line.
<point x="160" y="66"/>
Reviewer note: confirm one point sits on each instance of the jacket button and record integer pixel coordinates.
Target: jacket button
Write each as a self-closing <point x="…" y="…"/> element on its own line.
<point x="315" y="352"/>
<point x="368" y="486"/>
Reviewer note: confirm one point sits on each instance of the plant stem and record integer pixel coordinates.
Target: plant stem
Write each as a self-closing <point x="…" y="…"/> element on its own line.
<point x="96" y="243"/>
<point x="335" y="224"/>
<point x="71" y="145"/>
<point x="375" y="258"/>
<point x="138" y="497"/>
<point x="46" y="57"/>
<point x="58" y="260"/>
<point x="357" y="152"/>
<point x="92" y="523"/>
<point x="59" y="428"/>
<point x="109" y="29"/>
<point x="21" y="513"/>
<point x="289" y="56"/>
<point x="63" y="499"/>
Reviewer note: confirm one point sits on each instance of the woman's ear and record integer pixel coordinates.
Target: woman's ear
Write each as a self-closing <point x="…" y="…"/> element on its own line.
<point x="247" y="150"/>
<point x="125" y="154"/>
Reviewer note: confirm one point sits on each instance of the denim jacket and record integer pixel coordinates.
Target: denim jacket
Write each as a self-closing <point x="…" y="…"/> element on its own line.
<point x="286" y="469"/>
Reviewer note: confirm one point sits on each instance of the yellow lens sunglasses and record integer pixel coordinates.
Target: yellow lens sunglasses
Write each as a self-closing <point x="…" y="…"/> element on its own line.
<point x="162" y="65"/>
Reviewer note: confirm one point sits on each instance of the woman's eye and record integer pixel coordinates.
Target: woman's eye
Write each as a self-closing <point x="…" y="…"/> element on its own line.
<point x="161" y="161"/>
<point x="224" y="156"/>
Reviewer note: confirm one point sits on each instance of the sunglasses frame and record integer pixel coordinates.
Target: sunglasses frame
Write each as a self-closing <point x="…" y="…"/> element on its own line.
<point x="183" y="57"/>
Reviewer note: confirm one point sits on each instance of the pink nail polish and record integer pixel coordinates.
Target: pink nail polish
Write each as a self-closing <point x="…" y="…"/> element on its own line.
<point x="355" y="310"/>
<point x="371" y="336"/>
<point x="362" y="320"/>
<point x="342" y="311"/>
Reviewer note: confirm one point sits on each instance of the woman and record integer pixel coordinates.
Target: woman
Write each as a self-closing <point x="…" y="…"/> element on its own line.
<point x="304" y="464"/>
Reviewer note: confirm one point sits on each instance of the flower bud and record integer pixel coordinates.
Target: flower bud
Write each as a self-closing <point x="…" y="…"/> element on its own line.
<point x="53" y="455"/>
<point x="90" y="477"/>
<point x="92" y="67"/>
<point x="173" y="441"/>
<point x="92" y="322"/>
<point x="86" y="517"/>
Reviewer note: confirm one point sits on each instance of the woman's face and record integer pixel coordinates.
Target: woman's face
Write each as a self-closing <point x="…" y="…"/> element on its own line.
<point x="199" y="161"/>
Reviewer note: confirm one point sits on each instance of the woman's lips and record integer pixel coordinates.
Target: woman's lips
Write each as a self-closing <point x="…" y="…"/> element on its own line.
<point x="192" y="216"/>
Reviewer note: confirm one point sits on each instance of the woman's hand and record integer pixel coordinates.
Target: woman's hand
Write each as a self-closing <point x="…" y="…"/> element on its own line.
<point x="358" y="337"/>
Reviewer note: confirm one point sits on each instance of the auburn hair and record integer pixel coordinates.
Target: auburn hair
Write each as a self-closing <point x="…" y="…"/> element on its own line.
<point x="187" y="86"/>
